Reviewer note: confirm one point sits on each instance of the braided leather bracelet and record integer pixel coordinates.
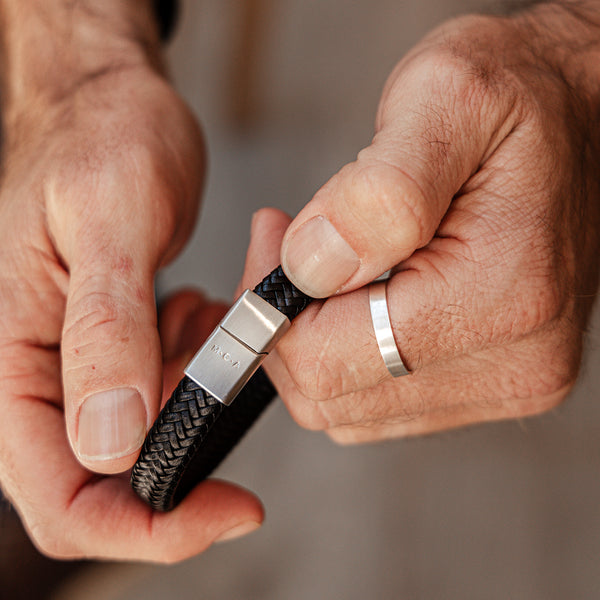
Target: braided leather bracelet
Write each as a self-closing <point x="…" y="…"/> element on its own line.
<point x="199" y="425"/>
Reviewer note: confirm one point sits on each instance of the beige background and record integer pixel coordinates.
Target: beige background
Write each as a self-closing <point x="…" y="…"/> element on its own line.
<point x="500" y="511"/>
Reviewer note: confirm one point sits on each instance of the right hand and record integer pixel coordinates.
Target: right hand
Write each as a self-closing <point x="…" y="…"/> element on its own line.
<point x="480" y="191"/>
<point x="99" y="188"/>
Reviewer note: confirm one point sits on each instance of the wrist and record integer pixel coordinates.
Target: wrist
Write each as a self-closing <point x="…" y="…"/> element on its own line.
<point x="51" y="48"/>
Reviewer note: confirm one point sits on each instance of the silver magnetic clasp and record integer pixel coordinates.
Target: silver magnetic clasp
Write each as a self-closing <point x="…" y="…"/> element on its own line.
<point x="237" y="347"/>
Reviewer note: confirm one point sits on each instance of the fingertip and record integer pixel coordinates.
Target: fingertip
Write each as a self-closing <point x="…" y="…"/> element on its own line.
<point x="217" y="510"/>
<point x="269" y="222"/>
<point x="246" y="512"/>
<point x="224" y="498"/>
<point x="238" y="531"/>
<point x="267" y="230"/>
<point x="106" y="520"/>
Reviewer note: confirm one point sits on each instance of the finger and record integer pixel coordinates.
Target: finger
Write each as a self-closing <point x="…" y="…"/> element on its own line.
<point x="266" y="232"/>
<point x="111" y="355"/>
<point x="31" y="370"/>
<point x="321" y="348"/>
<point x="449" y="301"/>
<point x="438" y="313"/>
<point x="114" y="219"/>
<point x="379" y="209"/>
<point x="213" y="511"/>
<point x="467" y="290"/>
<point x="173" y="315"/>
<point x="454" y="393"/>
<point x="331" y="349"/>
<point x="71" y="513"/>
<point x="185" y="320"/>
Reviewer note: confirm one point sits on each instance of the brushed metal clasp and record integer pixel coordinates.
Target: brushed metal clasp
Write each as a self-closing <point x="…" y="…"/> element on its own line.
<point x="237" y="347"/>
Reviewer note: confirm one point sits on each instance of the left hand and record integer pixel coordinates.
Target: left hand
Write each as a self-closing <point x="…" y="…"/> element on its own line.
<point x="102" y="166"/>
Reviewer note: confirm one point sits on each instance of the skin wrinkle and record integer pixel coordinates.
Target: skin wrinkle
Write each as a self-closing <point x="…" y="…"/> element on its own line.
<point x="436" y="134"/>
<point x="491" y="338"/>
<point x="465" y="376"/>
<point x="417" y="219"/>
<point x="17" y="367"/>
<point x="321" y="380"/>
<point x="544" y="247"/>
<point x="113" y="61"/>
<point x="100" y="309"/>
<point x="84" y="486"/>
<point x="563" y="62"/>
<point x="496" y="165"/>
<point x="17" y="328"/>
<point x="56" y="269"/>
<point x="360" y="415"/>
<point x="91" y="358"/>
<point x="316" y="383"/>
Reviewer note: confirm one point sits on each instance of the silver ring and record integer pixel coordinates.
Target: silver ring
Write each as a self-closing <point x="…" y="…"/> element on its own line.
<point x="383" y="329"/>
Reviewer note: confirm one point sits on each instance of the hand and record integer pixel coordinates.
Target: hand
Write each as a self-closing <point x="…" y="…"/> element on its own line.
<point x="480" y="189"/>
<point x="100" y="185"/>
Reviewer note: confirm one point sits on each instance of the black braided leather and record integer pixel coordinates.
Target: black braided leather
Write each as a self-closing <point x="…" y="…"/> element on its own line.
<point x="194" y="432"/>
<point x="281" y="293"/>
<point x="183" y="423"/>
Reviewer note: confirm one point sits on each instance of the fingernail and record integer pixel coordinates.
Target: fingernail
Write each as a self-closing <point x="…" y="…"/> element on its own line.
<point x="318" y="259"/>
<point x="238" y="531"/>
<point x="111" y="424"/>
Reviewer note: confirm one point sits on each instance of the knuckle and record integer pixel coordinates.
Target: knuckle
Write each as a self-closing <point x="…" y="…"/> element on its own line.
<point x="526" y="312"/>
<point x="477" y="80"/>
<point x="316" y="379"/>
<point x="550" y="378"/>
<point x="99" y="321"/>
<point x="148" y="167"/>
<point x="548" y="305"/>
<point x="155" y="194"/>
<point x="403" y="216"/>
<point x="538" y="299"/>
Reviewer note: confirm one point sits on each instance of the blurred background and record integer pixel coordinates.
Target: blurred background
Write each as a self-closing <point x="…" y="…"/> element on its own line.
<point x="287" y="92"/>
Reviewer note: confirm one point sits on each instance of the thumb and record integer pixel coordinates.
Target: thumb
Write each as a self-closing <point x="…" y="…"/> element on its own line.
<point x="111" y="359"/>
<point x="379" y="209"/>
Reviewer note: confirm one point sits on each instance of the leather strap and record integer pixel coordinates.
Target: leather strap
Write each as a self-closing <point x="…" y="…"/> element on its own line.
<point x="194" y="432"/>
